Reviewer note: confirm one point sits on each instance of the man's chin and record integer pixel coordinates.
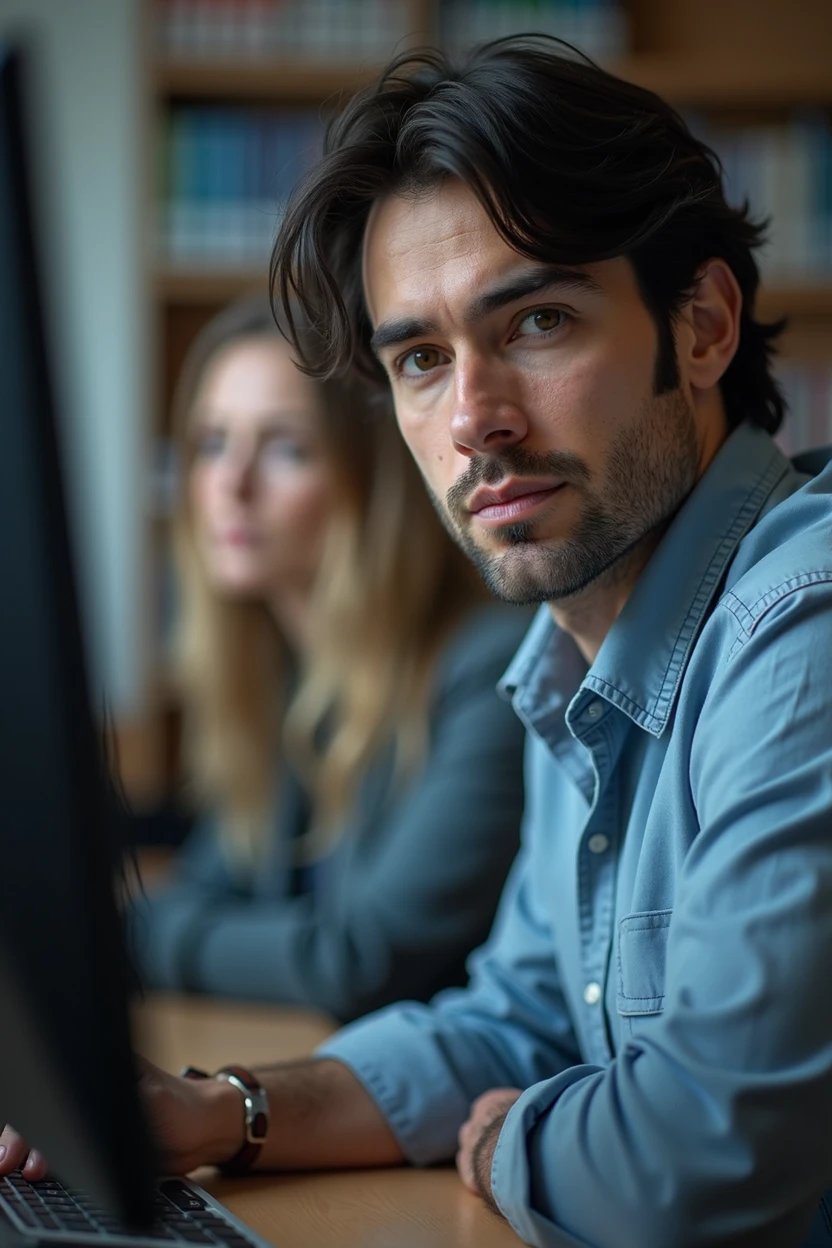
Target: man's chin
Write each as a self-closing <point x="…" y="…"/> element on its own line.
<point x="521" y="574"/>
<point x="531" y="573"/>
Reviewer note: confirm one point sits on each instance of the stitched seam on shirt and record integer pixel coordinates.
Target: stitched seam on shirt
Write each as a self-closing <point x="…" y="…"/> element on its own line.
<point x="771" y="598"/>
<point x="645" y="926"/>
<point x="646" y="916"/>
<point x="753" y="501"/>
<point x="739" y="610"/>
<point x="496" y="1173"/>
<point x="649" y="927"/>
<point x="642" y="717"/>
<point x="803" y="579"/>
<point x="751" y="505"/>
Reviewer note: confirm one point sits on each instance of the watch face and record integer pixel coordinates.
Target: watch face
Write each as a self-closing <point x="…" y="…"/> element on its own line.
<point x="255" y="1100"/>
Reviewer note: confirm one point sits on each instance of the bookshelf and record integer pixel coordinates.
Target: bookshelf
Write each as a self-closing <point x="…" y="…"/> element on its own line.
<point x="732" y="65"/>
<point x="767" y="86"/>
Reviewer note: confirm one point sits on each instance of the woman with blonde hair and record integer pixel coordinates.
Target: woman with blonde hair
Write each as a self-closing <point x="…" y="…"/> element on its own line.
<point x="361" y="778"/>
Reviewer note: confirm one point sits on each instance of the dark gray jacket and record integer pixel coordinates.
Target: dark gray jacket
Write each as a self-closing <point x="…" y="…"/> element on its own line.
<point x="411" y="888"/>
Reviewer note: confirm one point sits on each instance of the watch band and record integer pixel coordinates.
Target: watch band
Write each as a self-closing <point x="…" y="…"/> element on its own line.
<point x="256" y="1119"/>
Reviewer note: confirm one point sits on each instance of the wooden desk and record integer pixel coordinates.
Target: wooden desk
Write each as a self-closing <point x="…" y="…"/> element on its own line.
<point x="399" y="1208"/>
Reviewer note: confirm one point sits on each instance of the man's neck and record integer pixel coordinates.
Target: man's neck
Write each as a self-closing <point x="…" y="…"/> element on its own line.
<point x="589" y="615"/>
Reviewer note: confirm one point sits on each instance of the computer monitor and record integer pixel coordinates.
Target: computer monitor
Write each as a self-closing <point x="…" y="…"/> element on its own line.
<point x="67" y="1075"/>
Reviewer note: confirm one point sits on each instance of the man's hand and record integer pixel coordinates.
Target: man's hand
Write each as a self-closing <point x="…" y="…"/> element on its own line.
<point x="193" y="1123"/>
<point x="478" y="1139"/>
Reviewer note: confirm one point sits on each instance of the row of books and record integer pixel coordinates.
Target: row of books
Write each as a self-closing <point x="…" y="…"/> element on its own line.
<point x="597" y="27"/>
<point x="355" y="30"/>
<point x="226" y="175"/>
<point x="785" y="174"/>
<point x="227" y="172"/>
<point x="310" y="30"/>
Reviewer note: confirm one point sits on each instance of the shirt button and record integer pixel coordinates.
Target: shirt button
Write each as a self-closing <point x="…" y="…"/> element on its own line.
<point x="593" y="711"/>
<point x="598" y="844"/>
<point x="592" y="993"/>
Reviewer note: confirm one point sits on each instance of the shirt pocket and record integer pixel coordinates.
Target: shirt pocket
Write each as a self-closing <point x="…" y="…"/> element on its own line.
<point x="642" y="955"/>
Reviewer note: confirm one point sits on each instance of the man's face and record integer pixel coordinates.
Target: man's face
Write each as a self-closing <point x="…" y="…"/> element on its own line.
<point x="526" y="394"/>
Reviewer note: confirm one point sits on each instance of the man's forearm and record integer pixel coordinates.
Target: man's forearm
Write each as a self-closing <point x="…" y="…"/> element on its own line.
<point x="321" y="1117"/>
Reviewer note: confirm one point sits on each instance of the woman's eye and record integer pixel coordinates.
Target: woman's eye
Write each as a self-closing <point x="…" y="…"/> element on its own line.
<point x="281" y="447"/>
<point x="541" y="322"/>
<point x="422" y="360"/>
<point x="210" y="443"/>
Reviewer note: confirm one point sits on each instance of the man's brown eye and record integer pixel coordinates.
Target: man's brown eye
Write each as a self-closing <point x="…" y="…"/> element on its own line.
<point x="425" y="358"/>
<point x="546" y="319"/>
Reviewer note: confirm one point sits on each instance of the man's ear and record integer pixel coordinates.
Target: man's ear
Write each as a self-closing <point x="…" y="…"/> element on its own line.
<point x="708" y="326"/>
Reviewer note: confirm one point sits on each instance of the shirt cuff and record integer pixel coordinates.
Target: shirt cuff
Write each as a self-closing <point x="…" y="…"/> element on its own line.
<point x="512" y="1166"/>
<point x="396" y="1055"/>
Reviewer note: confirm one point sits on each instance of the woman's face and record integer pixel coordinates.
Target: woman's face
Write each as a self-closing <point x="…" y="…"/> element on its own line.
<point x="260" y="486"/>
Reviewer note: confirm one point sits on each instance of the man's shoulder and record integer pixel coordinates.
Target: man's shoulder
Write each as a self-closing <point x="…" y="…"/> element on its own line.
<point x="788" y="552"/>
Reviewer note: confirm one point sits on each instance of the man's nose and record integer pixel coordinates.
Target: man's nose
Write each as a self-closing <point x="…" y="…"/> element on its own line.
<point x="487" y="413"/>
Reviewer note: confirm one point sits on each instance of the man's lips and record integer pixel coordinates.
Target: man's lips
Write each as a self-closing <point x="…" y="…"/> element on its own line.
<point x="510" y="501"/>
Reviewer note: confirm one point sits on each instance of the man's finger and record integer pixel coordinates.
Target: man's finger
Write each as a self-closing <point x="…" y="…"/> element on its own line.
<point x="35" y="1166"/>
<point x="15" y="1154"/>
<point x="463" y="1165"/>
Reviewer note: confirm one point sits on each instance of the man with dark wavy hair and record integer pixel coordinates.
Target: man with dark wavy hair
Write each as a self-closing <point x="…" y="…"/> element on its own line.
<point x="538" y="261"/>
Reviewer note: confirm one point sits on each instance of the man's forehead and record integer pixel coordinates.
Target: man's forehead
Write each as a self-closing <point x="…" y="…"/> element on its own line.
<point x="413" y="242"/>
<point x="438" y="253"/>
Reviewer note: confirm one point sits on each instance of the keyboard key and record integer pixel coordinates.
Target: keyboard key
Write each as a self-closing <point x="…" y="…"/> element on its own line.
<point x="24" y="1213"/>
<point x="181" y="1195"/>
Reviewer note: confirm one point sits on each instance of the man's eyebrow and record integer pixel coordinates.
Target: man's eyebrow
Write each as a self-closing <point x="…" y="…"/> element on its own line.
<point x="542" y="277"/>
<point x="391" y="333"/>
<point x="529" y="282"/>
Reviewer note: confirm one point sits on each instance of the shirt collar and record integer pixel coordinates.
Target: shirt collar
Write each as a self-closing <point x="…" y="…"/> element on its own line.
<point x="640" y="664"/>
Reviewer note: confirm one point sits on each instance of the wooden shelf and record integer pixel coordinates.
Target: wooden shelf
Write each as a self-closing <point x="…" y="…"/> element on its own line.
<point x="205" y="288"/>
<point x="710" y="84"/>
<point x="277" y="82"/>
<point x="686" y="83"/>
<point x="198" y="288"/>
<point x="797" y="302"/>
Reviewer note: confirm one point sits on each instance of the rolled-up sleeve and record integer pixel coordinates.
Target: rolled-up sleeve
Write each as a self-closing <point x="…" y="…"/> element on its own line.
<point x="424" y="1064"/>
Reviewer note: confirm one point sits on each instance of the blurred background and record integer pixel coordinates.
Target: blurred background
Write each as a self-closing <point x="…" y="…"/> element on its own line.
<point x="170" y="133"/>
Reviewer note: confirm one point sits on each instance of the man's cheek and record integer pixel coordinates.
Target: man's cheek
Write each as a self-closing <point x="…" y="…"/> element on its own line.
<point x="433" y="461"/>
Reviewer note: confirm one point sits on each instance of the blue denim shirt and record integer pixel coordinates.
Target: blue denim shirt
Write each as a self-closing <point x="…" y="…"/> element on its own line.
<point x="658" y="977"/>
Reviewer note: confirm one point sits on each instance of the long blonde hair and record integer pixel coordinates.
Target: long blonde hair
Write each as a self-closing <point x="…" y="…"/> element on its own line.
<point x="390" y="587"/>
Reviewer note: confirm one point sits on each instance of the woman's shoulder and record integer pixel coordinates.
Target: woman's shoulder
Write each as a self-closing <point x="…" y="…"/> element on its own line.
<point x="483" y="642"/>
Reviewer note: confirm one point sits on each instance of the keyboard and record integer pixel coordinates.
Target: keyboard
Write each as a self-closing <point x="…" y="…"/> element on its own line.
<point x="48" y="1213"/>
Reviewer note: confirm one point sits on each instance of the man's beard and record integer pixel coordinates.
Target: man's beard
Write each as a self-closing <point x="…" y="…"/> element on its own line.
<point x="651" y="468"/>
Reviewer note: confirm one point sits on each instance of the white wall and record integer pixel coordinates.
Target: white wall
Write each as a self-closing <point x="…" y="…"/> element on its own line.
<point x="90" y="189"/>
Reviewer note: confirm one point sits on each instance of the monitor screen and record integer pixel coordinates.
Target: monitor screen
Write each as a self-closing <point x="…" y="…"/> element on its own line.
<point x="67" y="1076"/>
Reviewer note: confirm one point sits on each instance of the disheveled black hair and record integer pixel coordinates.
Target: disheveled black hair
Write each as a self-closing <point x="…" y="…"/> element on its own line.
<point x="572" y="165"/>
